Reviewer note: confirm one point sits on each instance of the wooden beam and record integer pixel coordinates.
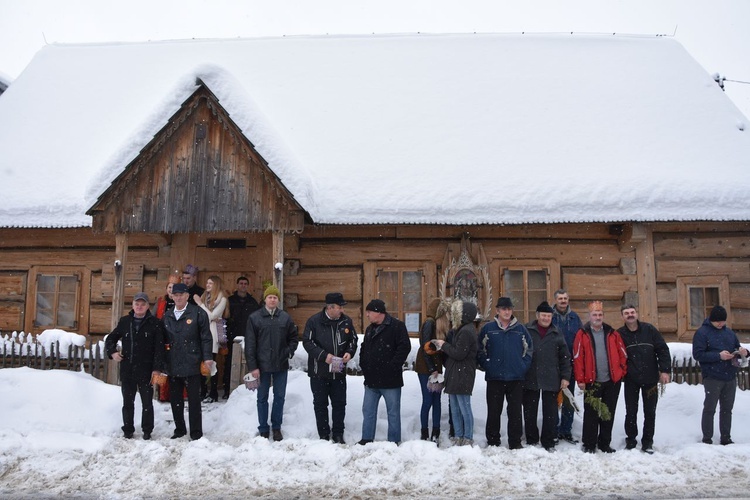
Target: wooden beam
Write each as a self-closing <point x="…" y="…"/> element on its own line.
<point x="278" y="257"/>
<point x="648" y="304"/>
<point x="118" y="294"/>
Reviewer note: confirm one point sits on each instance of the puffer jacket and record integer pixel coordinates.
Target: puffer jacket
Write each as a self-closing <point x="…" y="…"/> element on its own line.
<point x="551" y="360"/>
<point x="142" y="350"/>
<point x="270" y="340"/>
<point x="504" y="354"/>
<point x="188" y="341"/>
<point x="324" y="336"/>
<point x="461" y="352"/>
<point x="384" y="351"/>
<point x="568" y="324"/>
<point x="648" y="353"/>
<point x="584" y="355"/>
<point x="708" y="342"/>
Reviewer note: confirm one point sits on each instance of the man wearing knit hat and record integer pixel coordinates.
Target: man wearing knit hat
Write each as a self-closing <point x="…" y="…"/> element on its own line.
<point x="270" y="342"/>
<point x="384" y="350"/>
<point x="549" y="373"/>
<point x="714" y="347"/>
<point x="505" y="351"/>
<point x="599" y="363"/>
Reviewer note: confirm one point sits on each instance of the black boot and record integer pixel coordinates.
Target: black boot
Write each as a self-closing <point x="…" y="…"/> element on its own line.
<point x="435" y="434"/>
<point x="425" y="435"/>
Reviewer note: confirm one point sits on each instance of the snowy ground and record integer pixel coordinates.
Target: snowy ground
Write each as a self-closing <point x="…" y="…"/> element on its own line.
<point x="60" y="436"/>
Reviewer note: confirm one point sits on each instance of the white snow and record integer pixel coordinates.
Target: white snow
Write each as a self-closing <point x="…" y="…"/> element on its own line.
<point x="60" y="436"/>
<point x="397" y="128"/>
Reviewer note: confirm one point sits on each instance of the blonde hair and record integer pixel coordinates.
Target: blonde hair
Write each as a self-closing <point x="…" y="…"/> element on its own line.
<point x="210" y="299"/>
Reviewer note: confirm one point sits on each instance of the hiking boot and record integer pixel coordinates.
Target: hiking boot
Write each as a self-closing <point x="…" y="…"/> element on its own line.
<point x="263" y="434"/>
<point x="178" y="434"/>
<point x="435" y="435"/>
<point x="607" y="449"/>
<point x="424" y="435"/>
<point x="630" y="445"/>
<point x="648" y="450"/>
<point x="725" y="442"/>
<point x="568" y="438"/>
<point x="277" y="436"/>
<point x="146" y="436"/>
<point x="707" y="441"/>
<point x="339" y="439"/>
<point x="586" y="449"/>
<point x="127" y="435"/>
<point x="363" y="442"/>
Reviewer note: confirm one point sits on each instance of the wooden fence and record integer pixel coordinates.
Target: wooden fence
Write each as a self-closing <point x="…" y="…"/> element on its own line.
<point x="94" y="362"/>
<point x="74" y="358"/>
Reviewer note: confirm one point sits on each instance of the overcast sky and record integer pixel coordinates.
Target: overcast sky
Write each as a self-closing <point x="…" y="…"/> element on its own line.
<point x="716" y="32"/>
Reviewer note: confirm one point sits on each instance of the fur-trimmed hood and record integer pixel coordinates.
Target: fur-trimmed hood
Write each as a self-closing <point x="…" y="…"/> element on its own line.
<point x="463" y="313"/>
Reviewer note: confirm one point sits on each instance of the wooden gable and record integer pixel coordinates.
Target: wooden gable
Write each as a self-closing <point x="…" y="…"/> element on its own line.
<point x="198" y="174"/>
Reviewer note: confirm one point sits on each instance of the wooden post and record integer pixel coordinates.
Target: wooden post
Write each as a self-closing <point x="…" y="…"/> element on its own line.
<point x="640" y="238"/>
<point x="235" y="377"/>
<point x="278" y="257"/>
<point x="118" y="295"/>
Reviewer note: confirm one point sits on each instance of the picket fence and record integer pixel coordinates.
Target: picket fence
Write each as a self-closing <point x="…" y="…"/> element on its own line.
<point x="93" y="361"/>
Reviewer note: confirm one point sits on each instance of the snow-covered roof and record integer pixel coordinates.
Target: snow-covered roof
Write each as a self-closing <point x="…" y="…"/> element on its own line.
<point x="445" y="129"/>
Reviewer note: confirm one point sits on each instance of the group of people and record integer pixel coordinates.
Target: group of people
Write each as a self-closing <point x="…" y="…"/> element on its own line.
<point x="523" y="364"/>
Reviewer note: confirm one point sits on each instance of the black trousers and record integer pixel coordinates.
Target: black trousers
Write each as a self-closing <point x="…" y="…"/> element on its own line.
<point x="228" y="368"/>
<point x="176" y="387"/>
<point x="130" y="386"/>
<point x="322" y="391"/>
<point x="597" y="431"/>
<point x="211" y="387"/>
<point x="650" y="395"/>
<point x="497" y="392"/>
<point x="549" y="417"/>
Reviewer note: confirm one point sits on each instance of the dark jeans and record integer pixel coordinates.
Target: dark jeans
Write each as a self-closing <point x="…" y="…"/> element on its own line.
<point x="723" y="393"/>
<point x="650" y="395"/>
<point x="176" y="387"/>
<point x="549" y="417"/>
<point x="322" y="391"/>
<point x="430" y="400"/>
<point x="497" y="392"/>
<point x="596" y="431"/>
<point x="130" y="387"/>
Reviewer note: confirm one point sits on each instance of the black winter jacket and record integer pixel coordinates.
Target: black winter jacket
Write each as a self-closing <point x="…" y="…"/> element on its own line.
<point x="270" y="340"/>
<point x="324" y="336"/>
<point x="188" y="341"/>
<point x="239" y="310"/>
<point x="550" y="362"/>
<point x="648" y="354"/>
<point x="142" y="350"/>
<point x="461" y="352"/>
<point x="384" y="351"/>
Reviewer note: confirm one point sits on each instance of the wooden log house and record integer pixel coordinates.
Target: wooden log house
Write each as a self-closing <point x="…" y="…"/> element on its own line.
<point x="203" y="190"/>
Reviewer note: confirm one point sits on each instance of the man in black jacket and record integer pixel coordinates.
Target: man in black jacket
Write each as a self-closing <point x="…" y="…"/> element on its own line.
<point x="241" y="305"/>
<point x="141" y="357"/>
<point x="549" y="373"/>
<point x="270" y="342"/>
<point x="188" y="343"/>
<point x="384" y="350"/>
<point x="648" y="364"/>
<point x="331" y="341"/>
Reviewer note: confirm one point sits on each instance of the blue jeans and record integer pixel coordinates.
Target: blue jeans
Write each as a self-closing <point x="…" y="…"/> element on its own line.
<point x="429" y="400"/>
<point x="370" y="412"/>
<point x="463" y="417"/>
<point x="279" y="394"/>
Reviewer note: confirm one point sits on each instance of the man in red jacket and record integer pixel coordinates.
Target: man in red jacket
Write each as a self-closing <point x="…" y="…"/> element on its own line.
<point x="599" y="363"/>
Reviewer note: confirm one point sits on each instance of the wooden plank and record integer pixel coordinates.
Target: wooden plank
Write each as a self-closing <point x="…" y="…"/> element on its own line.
<point x="740" y="319"/>
<point x="11" y="316"/>
<point x="567" y="253"/>
<point x="645" y="273"/>
<point x="667" y="320"/>
<point x="320" y="254"/>
<point x="669" y="270"/>
<point x="700" y="227"/>
<point x="599" y="287"/>
<point x="13" y="285"/>
<point x="702" y="245"/>
<point x="739" y="296"/>
<point x="312" y="285"/>
<point x="666" y="295"/>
